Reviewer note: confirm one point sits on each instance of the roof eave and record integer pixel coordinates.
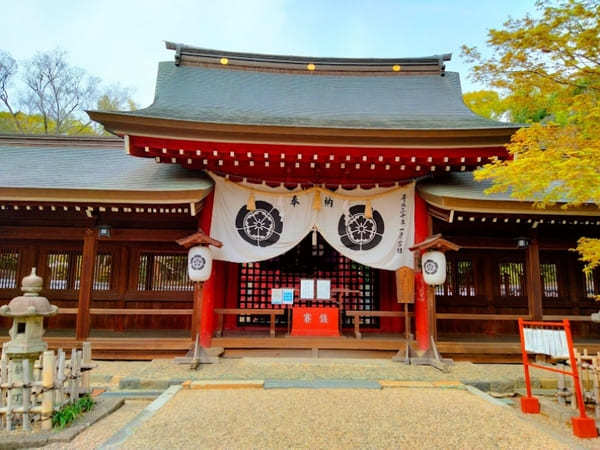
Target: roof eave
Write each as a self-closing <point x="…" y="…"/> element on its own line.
<point x="130" y="124"/>
<point x="108" y="196"/>
<point x="492" y="206"/>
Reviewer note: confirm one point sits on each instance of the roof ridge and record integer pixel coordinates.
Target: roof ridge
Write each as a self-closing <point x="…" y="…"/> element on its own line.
<point x="186" y="54"/>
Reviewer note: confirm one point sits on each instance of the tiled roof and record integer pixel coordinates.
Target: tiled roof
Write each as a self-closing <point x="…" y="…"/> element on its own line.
<point x="462" y="185"/>
<point x="277" y="98"/>
<point x="91" y="168"/>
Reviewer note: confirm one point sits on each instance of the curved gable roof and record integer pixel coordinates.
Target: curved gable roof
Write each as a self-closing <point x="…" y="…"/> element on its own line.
<point x="251" y="97"/>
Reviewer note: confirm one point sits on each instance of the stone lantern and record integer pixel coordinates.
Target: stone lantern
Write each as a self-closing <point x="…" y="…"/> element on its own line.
<point x="28" y="312"/>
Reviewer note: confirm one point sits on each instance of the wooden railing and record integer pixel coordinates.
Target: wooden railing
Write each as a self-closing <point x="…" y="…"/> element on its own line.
<point x="131" y="311"/>
<point x="483" y="316"/>
<point x="571" y="318"/>
<point x="356" y="315"/>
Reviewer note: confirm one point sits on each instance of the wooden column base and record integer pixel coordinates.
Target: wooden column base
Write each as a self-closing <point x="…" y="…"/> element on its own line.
<point x="431" y="357"/>
<point x="196" y="356"/>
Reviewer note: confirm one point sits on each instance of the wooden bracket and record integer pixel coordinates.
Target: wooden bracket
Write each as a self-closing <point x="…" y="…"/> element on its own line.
<point x="196" y="207"/>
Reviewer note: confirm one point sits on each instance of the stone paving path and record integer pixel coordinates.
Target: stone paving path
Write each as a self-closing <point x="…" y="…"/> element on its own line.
<point x="295" y="418"/>
<point x="158" y="374"/>
<point x="103" y="429"/>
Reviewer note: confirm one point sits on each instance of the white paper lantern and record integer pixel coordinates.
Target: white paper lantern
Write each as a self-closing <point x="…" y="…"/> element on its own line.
<point x="433" y="265"/>
<point x="199" y="263"/>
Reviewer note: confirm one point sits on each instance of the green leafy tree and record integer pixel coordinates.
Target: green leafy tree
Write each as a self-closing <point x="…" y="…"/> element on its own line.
<point x="115" y="98"/>
<point x="548" y="65"/>
<point x="34" y="124"/>
<point x="486" y="103"/>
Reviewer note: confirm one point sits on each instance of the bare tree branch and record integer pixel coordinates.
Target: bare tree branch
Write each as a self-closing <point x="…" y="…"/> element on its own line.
<point x="8" y="68"/>
<point x="58" y="91"/>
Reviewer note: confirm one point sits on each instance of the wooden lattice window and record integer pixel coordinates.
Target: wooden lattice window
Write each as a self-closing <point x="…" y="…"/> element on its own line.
<point x="308" y="261"/>
<point x="9" y="265"/>
<point x="163" y="272"/>
<point x="103" y="272"/>
<point x="446" y="289"/>
<point x="549" y="274"/>
<point x="465" y="285"/>
<point x="511" y="277"/>
<point x="592" y="283"/>
<point x="65" y="271"/>
<point x="459" y="279"/>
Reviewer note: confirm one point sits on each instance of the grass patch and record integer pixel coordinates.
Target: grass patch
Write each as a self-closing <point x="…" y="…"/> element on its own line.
<point x="68" y="413"/>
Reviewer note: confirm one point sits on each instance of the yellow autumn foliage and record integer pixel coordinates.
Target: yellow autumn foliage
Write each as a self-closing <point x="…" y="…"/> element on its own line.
<point x="549" y="62"/>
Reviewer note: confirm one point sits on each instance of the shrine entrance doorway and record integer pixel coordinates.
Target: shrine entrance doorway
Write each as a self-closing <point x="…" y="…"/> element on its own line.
<point x="312" y="258"/>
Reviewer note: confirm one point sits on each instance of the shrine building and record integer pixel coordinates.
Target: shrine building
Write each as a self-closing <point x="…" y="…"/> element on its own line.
<point x="315" y="184"/>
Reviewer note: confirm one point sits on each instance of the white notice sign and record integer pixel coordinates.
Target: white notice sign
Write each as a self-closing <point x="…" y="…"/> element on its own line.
<point x="323" y="289"/>
<point x="276" y="296"/>
<point x="307" y="289"/>
<point x="288" y="296"/>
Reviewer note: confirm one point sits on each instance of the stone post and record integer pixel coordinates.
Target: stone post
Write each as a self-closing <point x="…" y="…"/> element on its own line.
<point x="48" y="364"/>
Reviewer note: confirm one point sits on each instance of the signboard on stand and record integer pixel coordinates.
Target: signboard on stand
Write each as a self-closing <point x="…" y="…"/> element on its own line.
<point x="553" y="339"/>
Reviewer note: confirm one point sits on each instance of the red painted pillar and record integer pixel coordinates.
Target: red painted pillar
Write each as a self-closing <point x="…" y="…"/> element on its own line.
<point x="207" y="310"/>
<point x="207" y="319"/>
<point x="422" y="231"/>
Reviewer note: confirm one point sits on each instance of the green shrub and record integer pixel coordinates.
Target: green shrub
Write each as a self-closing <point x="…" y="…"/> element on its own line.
<point x="70" y="412"/>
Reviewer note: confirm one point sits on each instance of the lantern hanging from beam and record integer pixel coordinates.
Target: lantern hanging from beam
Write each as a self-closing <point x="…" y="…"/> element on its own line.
<point x="433" y="265"/>
<point x="199" y="263"/>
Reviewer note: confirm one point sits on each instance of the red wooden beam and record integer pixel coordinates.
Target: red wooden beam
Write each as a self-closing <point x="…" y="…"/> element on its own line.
<point x="312" y="164"/>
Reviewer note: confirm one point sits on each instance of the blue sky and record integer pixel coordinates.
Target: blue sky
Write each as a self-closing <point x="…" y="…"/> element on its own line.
<point x="121" y="40"/>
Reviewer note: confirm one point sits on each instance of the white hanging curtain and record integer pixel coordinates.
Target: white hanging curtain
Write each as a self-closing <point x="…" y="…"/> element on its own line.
<point x="376" y="229"/>
<point x="270" y="227"/>
<point x="373" y="227"/>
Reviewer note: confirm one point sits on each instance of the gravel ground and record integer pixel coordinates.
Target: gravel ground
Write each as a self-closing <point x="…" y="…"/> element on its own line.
<point x="295" y="418"/>
<point x="120" y="368"/>
<point x="564" y="429"/>
<point x="103" y="429"/>
<point x="311" y="369"/>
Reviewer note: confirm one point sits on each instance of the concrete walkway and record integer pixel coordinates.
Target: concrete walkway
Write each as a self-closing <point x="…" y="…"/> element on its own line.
<point x="104" y="429"/>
